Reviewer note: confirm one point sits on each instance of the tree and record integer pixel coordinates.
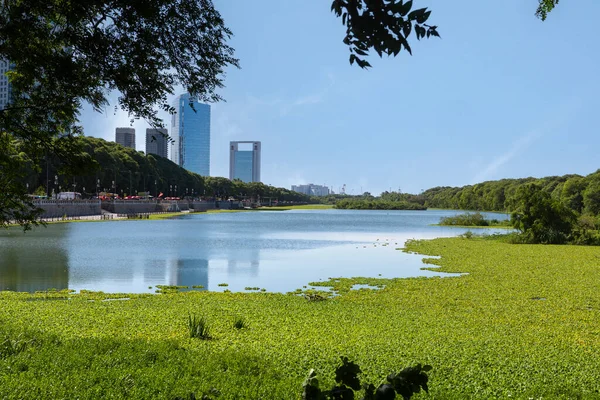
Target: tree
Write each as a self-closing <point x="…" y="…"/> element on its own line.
<point x="591" y="198"/>
<point x="383" y="26"/>
<point x="539" y="218"/>
<point x="66" y="53"/>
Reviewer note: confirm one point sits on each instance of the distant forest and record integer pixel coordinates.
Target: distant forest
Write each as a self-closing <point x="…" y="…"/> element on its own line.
<point x="580" y="194"/>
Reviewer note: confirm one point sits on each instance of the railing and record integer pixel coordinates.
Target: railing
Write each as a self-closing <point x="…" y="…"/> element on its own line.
<point x="77" y="201"/>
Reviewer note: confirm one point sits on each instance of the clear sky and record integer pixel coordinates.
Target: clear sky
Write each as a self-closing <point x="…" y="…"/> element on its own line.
<point x="501" y="95"/>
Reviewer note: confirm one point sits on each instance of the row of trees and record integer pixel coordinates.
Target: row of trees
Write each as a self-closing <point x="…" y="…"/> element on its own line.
<point x="114" y="168"/>
<point x="555" y="209"/>
<point x="579" y="193"/>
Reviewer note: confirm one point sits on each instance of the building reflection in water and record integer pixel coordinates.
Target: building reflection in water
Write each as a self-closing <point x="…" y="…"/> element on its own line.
<point x="245" y="264"/>
<point x="195" y="272"/>
<point x="191" y="272"/>
<point x="34" y="261"/>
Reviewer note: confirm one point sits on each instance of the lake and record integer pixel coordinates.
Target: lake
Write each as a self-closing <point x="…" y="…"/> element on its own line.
<point x="279" y="251"/>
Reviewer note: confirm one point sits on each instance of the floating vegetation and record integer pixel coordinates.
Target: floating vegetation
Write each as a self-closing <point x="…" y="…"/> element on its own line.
<point x="223" y="284"/>
<point x="488" y="334"/>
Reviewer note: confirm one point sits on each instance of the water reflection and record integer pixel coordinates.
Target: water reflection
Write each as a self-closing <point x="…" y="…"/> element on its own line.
<point x="189" y="273"/>
<point x="34" y="261"/>
<point x="276" y="251"/>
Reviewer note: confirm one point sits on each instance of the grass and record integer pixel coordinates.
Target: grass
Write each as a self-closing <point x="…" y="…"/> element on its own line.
<point x="522" y="323"/>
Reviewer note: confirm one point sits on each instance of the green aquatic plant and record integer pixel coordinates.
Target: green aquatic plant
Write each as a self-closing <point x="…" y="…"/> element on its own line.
<point x="198" y="327"/>
<point x="240" y="323"/>
<point x="12" y="346"/>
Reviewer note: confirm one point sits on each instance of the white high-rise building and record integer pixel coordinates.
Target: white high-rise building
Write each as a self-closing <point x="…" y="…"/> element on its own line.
<point x="244" y="164"/>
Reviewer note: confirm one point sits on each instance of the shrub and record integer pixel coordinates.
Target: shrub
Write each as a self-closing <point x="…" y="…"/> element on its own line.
<point x="466" y="219"/>
<point x="540" y="218"/>
<point x="404" y="383"/>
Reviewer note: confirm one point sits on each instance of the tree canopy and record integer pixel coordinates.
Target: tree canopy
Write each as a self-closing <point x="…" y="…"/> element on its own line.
<point x="66" y="53"/>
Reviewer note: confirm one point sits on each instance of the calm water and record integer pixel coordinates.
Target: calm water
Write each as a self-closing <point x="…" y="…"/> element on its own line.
<point x="276" y="250"/>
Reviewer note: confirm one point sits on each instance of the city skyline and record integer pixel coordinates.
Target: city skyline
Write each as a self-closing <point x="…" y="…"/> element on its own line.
<point x="477" y="107"/>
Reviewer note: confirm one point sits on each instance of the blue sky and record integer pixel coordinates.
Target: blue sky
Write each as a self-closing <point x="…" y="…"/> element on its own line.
<point x="501" y="95"/>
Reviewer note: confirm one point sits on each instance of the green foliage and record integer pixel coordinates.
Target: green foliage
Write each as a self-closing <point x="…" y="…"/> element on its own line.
<point x="198" y="327"/>
<point x="466" y="219"/>
<point x="405" y="383"/>
<point x="40" y="191"/>
<point x="541" y="219"/>
<point x="15" y="205"/>
<point x="381" y="26"/>
<point x="467" y="235"/>
<point x="378" y="204"/>
<point x="545" y="7"/>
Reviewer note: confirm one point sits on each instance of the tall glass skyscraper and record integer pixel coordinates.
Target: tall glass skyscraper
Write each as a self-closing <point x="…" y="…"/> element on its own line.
<point x="190" y="131"/>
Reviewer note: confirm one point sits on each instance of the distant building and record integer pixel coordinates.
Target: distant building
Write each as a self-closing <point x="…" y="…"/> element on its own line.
<point x="311" y="190"/>
<point x="190" y="134"/>
<point x="5" y="86"/>
<point x="125" y="137"/>
<point x="156" y="142"/>
<point x="244" y="164"/>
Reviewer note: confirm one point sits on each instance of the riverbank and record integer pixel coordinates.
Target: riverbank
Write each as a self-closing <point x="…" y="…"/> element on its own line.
<point x="523" y="323"/>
